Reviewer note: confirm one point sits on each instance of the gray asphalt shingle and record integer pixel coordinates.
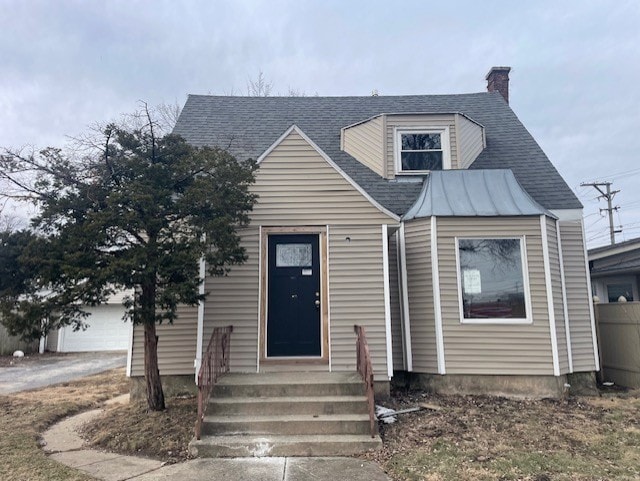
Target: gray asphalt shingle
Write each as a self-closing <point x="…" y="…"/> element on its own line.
<point x="247" y="126"/>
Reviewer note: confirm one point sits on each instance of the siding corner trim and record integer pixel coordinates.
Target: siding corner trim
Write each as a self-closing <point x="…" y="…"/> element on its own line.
<point x="404" y="299"/>
<point x="200" y="328"/>
<point x="437" y="308"/>
<point x="387" y="298"/>
<point x="549" y="295"/>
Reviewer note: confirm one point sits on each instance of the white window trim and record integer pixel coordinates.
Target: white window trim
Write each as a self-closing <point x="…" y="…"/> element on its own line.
<point x="525" y="282"/>
<point x="444" y="141"/>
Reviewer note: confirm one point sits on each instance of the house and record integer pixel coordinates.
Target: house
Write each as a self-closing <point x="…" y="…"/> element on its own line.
<point x="615" y="271"/>
<point x="434" y="221"/>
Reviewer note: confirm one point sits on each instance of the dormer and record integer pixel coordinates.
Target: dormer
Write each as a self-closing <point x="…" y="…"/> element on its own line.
<point x="410" y="145"/>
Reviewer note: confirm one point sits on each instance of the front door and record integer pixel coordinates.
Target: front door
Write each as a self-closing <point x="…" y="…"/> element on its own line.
<point x="293" y="307"/>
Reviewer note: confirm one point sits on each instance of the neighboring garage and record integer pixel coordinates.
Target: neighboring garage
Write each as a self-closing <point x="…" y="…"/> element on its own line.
<point x="106" y="332"/>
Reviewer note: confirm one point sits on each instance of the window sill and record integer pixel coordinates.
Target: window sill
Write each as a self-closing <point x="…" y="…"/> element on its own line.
<point x="500" y="321"/>
<point x="414" y="172"/>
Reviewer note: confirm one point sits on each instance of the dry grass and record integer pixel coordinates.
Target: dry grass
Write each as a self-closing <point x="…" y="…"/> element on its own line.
<point x="26" y="415"/>
<point x="132" y="429"/>
<point x="470" y="438"/>
<point x="486" y="438"/>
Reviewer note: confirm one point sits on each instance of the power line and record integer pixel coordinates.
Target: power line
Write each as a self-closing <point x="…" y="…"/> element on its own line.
<point x="625" y="173"/>
<point x="607" y="194"/>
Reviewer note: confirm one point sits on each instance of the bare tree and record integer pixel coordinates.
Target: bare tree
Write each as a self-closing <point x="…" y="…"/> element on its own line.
<point x="167" y="115"/>
<point x="260" y="87"/>
<point x="10" y="222"/>
<point x="293" y="92"/>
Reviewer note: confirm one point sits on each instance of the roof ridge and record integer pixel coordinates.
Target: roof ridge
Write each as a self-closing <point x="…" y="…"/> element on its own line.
<point x="320" y="97"/>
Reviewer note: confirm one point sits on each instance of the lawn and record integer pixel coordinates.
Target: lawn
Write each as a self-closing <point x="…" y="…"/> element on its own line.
<point x="466" y="438"/>
<point x="26" y="415"/>
<point x="486" y="438"/>
<point x="132" y="429"/>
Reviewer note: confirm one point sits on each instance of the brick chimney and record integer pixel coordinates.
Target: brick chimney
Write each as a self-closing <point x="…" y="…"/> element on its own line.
<point x="498" y="81"/>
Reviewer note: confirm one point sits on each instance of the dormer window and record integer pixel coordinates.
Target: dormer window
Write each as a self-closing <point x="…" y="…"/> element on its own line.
<point x="422" y="150"/>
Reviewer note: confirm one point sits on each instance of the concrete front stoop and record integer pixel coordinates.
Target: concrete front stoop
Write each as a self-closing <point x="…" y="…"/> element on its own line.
<point x="286" y="414"/>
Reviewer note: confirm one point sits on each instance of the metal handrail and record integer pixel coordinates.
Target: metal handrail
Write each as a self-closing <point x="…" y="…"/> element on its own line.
<point x="214" y="363"/>
<point x="365" y="369"/>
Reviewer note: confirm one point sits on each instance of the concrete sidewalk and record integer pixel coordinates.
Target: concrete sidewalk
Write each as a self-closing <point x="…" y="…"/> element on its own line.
<point x="64" y="445"/>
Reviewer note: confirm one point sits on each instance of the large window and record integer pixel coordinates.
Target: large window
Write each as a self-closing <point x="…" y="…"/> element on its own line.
<point x="420" y="151"/>
<point x="493" y="281"/>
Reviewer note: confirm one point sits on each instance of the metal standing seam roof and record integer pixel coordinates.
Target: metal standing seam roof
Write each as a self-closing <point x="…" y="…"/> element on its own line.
<point x="247" y="126"/>
<point x="473" y="193"/>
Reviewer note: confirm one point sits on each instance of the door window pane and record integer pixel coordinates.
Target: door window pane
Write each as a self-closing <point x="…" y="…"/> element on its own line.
<point x="293" y="255"/>
<point x="491" y="279"/>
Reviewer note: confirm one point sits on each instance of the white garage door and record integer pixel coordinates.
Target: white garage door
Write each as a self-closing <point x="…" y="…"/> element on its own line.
<point x="106" y="332"/>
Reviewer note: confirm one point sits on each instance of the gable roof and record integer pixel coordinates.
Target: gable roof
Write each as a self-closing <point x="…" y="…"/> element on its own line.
<point x="248" y="126"/>
<point x="491" y="192"/>
<point x="327" y="159"/>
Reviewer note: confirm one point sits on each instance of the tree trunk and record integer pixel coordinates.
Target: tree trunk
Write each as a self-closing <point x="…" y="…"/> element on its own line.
<point x="155" y="395"/>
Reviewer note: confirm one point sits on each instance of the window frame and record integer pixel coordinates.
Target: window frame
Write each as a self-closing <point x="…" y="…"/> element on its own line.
<point x="445" y="143"/>
<point x="525" y="284"/>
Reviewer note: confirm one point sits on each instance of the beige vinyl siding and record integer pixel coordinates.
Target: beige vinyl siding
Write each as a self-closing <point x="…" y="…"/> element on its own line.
<point x="518" y="349"/>
<point x="558" y="303"/>
<point x="296" y="186"/>
<point x="364" y="142"/>
<point x="394" y="291"/>
<point x="418" y="121"/>
<point x="470" y="141"/>
<point x="420" y="294"/>
<point x="176" y="345"/>
<point x="356" y="295"/>
<point x="233" y="300"/>
<point x="576" y="279"/>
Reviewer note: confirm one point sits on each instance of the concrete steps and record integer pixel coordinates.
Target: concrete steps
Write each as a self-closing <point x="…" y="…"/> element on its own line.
<point x="297" y="445"/>
<point x="291" y="405"/>
<point x="286" y="414"/>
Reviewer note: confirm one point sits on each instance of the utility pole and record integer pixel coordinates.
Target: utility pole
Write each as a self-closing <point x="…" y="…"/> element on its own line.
<point x="607" y="194"/>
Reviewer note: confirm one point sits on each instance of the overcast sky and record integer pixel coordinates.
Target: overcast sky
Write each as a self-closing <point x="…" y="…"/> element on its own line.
<point x="575" y="82"/>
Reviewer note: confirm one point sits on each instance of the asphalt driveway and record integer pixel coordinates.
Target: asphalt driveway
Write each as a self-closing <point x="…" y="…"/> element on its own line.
<point x="38" y="370"/>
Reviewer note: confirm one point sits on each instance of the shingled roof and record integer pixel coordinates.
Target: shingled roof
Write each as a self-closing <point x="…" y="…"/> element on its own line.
<point x="247" y="126"/>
